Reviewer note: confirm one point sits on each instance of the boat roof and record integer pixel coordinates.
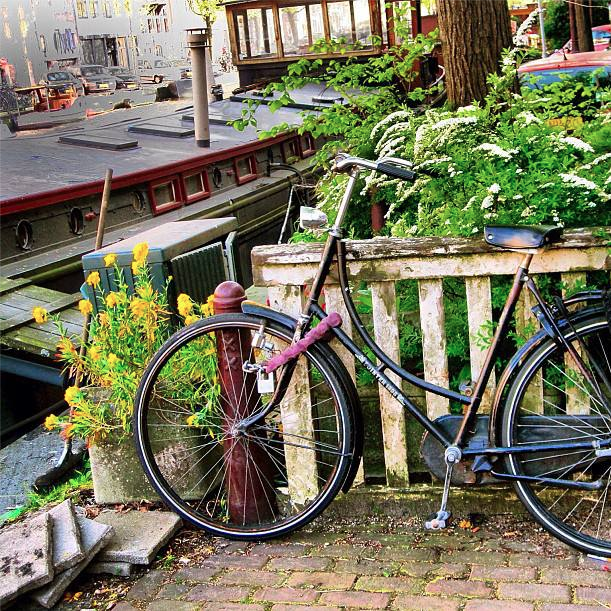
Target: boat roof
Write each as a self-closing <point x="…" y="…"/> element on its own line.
<point x="570" y="60"/>
<point x="36" y="163"/>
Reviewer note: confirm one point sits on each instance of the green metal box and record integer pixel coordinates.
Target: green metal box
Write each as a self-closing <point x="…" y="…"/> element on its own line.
<point x="189" y="251"/>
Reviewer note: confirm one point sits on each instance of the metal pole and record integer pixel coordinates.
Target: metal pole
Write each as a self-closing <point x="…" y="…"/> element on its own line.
<point x="542" y="28"/>
<point x="197" y="41"/>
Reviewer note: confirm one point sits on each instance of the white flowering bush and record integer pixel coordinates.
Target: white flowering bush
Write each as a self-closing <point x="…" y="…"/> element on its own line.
<point x="475" y="169"/>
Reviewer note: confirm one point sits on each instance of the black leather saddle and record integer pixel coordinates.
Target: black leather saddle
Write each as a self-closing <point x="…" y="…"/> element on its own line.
<point x="522" y="236"/>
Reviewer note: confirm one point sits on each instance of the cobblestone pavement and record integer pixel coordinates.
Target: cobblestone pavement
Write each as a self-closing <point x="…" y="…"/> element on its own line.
<point x="463" y="571"/>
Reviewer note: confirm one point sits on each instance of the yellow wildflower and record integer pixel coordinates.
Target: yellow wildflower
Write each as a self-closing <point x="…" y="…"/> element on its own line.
<point x="185" y="305"/>
<point x="40" y="315"/>
<point x="103" y="319"/>
<point x="71" y="395"/>
<point x="146" y="291"/>
<point x="139" y="307"/>
<point x="65" y="349"/>
<point x="110" y="260"/>
<point x="111" y="300"/>
<point x="93" y="279"/>
<point x="94" y="353"/>
<point x="85" y="306"/>
<point x="51" y="422"/>
<point x="113" y="359"/>
<point x="136" y="267"/>
<point x="192" y="419"/>
<point x="141" y="251"/>
<point x="189" y="320"/>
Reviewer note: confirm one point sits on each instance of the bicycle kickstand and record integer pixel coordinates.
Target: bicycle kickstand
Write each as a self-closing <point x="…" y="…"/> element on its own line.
<point x="441" y="519"/>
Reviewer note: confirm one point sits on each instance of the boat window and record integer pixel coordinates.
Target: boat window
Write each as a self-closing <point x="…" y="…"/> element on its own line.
<point x="76" y="222"/>
<point x="196" y="186"/>
<point x="24" y="234"/>
<point x="255" y="32"/>
<point x="165" y="195"/>
<point x="308" y="147"/>
<point x="290" y="150"/>
<point x="245" y="169"/>
<point x="301" y="27"/>
<point x="217" y="177"/>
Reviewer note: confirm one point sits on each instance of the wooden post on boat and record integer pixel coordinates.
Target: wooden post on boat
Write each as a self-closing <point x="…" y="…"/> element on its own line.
<point x="251" y="498"/>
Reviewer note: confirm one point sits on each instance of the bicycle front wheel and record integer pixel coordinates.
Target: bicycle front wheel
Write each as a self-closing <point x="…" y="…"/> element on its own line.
<point x="550" y="401"/>
<point x="241" y="482"/>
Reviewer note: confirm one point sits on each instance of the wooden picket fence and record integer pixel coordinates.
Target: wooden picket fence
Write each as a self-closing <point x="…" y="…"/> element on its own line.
<point x="286" y="270"/>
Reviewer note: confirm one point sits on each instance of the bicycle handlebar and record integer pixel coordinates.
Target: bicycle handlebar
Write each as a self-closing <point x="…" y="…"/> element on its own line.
<point x="391" y="166"/>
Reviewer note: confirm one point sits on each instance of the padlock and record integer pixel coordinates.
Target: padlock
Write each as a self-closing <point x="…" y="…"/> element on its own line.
<point x="265" y="382"/>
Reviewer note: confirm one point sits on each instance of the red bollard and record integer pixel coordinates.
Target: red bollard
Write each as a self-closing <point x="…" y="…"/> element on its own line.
<point x="250" y="473"/>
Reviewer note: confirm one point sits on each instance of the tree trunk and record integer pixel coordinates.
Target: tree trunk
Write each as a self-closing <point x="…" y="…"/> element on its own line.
<point x="583" y="29"/>
<point x="473" y="35"/>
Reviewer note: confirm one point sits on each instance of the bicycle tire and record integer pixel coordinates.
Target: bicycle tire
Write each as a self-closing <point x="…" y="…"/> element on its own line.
<point x="580" y="518"/>
<point x="280" y="504"/>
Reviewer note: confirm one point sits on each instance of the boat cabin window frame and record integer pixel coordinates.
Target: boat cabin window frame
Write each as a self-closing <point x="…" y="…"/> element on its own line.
<point x="268" y="39"/>
<point x="308" y="145"/>
<point x="178" y="201"/>
<point x="252" y="169"/>
<point x="204" y="182"/>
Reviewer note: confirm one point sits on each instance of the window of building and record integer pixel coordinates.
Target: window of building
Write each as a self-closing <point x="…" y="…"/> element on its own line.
<point x="255" y="29"/>
<point x="107" y="8"/>
<point x="300" y="27"/>
<point x="81" y="9"/>
<point x="116" y="5"/>
<point x="93" y="8"/>
<point x="349" y="21"/>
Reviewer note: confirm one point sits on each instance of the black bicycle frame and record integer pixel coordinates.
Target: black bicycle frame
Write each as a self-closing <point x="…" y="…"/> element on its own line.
<point x="336" y="247"/>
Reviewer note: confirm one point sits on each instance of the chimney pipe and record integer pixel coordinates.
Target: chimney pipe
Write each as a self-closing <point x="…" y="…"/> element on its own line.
<point x="197" y="41"/>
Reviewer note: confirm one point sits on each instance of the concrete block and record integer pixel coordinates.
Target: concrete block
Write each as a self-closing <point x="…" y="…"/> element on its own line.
<point x="119" y="569"/>
<point x="26" y="556"/>
<point x="138" y="535"/>
<point x="94" y="536"/>
<point x="67" y="550"/>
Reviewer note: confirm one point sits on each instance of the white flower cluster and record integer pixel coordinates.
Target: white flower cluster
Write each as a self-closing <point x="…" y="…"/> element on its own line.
<point x="578" y="181"/>
<point x="444" y="128"/>
<point x="393" y="117"/>
<point x="526" y="25"/>
<point x="599" y="159"/>
<point x="577" y="143"/>
<point x="496" y="150"/>
<point x="528" y="118"/>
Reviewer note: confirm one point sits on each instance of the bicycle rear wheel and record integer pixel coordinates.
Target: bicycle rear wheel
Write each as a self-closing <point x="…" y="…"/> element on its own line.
<point x="549" y="401"/>
<point x="254" y="483"/>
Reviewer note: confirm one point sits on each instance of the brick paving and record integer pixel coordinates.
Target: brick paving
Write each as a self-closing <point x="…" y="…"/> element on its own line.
<point x="327" y="571"/>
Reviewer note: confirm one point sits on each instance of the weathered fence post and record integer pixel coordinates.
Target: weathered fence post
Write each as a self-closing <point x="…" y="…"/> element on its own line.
<point x="249" y="471"/>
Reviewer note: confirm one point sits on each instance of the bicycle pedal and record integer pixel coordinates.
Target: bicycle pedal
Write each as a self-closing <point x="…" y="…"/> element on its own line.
<point x="438" y="521"/>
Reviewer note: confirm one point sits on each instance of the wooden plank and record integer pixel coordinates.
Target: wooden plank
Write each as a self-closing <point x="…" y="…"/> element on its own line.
<point x="577" y="399"/>
<point x="432" y="323"/>
<point x="527" y="325"/>
<point x="335" y="303"/>
<point x="479" y="314"/>
<point x="8" y="311"/>
<point x="22" y="319"/>
<point x="10" y="284"/>
<point x="386" y="332"/>
<point x="296" y="411"/>
<point x="33" y="341"/>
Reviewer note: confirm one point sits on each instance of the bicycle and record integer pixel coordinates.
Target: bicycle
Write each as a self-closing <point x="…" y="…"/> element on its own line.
<point x="274" y="395"/>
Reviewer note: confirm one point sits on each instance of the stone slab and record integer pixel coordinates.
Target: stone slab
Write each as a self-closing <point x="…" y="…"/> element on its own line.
<point x="119" y="569"/>
<point x="26" y="556"/>
<point x="32" y="461"/>
<point x="98" y="141"/>
<point x="94" y="536"/>
<point x="138" y="535"/>
<point x="67" y="549"/>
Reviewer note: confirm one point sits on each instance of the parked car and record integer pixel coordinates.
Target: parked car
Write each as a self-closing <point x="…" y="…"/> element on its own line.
<point x="552" y="68"/>
<point x="62" y="80"/>
<point x="601" y="35"/>
<point x="97" y="78"/>
<point x="159" y="70"/>
<point x="125" y="78"/>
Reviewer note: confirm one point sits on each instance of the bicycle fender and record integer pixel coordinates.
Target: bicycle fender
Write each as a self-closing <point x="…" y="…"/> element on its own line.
<point x="290" y="323"/>
<point x="519" y="358"/>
